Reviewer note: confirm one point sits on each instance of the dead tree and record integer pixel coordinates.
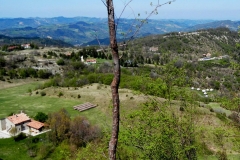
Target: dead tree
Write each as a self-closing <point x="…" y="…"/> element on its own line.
<point x="116" y="80"/>
<point x="117" y="71"/>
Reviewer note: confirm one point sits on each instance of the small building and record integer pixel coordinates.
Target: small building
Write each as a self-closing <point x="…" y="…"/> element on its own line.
<point x="68" y="54"/>
<point x="26" y="46"/>
<point x="35" y="126"/>
<point x="208" y="55"/>
<point x="19" y="121"/>
<point x="153" y="49"/>
<point x="91" y="61"/>
<point x="22" y="123"/>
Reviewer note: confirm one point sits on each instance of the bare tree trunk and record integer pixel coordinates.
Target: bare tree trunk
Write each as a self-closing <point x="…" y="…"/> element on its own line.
<point x="115" y="82"/>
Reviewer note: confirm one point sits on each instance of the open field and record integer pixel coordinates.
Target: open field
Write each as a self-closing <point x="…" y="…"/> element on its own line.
<point x="15" y="97"/>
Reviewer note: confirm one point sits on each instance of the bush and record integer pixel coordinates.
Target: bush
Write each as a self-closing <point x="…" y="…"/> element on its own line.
<point x="79" y="96"/>
<point x="182" y="108"/>
<point x="41" y="117"/>
<point x="60" y="62"/>
<point x="19" y="137"/>
<point x="221" y="116"/>
<point x="60" y="94"/>
<point x="234" y="117"/>
<point x="222" y="155"/>
<point x="211" y="110"/>
<point x="43" y="93"/>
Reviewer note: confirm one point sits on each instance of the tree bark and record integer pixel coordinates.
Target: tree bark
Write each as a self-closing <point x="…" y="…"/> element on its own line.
<point x="116" y="80"/>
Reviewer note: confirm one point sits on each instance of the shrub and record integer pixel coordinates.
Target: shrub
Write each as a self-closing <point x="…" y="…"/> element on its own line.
<point x="234" y="117"/>
<point x="211" y="110"/>
<point x="60" y="62"/>
<point x="60" y="94"/>
<point x="19" y="137"/>
<point x="35" y="139"/>
<point x="43" y="93"/>
<point x="42" y="117"/>
<point x="182" y="108"/>
<point x="79" y="96"/>
<point x="221" y="116"/>
<point x="222" y="155"/>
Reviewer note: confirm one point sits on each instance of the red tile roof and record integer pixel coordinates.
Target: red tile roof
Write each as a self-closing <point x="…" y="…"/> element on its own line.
<point x="91" y="60"/>
<point x="35" y="124"/>
<point x="18" y="118"/>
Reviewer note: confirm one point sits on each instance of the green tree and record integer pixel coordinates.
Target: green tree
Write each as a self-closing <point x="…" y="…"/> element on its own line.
<point x="60" y="62"/>
<point x="2" y="61"/>
<point x="59" y="123"/>
<point x="156" y="133"/>
<point x="82" y="132"/>
<point x="41" y="117"/>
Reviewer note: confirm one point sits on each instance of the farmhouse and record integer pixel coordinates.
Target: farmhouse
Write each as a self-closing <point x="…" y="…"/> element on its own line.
<point x="91" y="61"/>
<point x="22" y="123"/>
<point x="26" y="46"/>
<point x="153" y="49"/>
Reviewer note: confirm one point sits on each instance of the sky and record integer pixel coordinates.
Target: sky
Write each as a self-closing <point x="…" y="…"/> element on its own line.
<point x="180" y="9"/>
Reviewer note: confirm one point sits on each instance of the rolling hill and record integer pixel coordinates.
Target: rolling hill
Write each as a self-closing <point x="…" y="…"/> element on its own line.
<point x="86" y="30"/>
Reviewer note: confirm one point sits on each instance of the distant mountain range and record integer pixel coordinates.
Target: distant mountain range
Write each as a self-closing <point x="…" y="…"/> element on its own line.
<point x="41" y="42"/>
<point x="87" y="30"/>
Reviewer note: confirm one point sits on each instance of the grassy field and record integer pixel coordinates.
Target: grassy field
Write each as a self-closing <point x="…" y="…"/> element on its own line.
<point x="13" y="150"/>
<point x="16" y="98"/>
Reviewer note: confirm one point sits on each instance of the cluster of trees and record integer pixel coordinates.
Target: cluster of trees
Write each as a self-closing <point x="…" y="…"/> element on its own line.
<point x="24" y="73"/>
<point x="87" y="52"/>
<point x="77" y="132"/>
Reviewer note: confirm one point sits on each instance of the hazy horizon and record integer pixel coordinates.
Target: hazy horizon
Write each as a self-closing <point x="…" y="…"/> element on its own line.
<point x="180" y="9"/>
<point x="123" y="18"/>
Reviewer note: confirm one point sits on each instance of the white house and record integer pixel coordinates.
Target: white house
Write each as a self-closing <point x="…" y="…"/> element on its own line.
<point x="21" y="122"/>
<point x="26" y="46"/>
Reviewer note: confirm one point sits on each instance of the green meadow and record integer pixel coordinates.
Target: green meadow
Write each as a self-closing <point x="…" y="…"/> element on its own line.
<point x="18" y="98"/>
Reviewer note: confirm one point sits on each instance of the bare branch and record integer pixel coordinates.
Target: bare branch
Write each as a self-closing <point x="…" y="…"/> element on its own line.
<point x="104" y="3"/>
<point x="123" y="11"/>
<point x="149" y="15"/>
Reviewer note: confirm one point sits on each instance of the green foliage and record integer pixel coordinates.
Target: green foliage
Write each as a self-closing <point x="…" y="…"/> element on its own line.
<point x="20" y="136"/>
<point x="60" y="94"/>
<point x="60" y="62"/>
<point x="216" y="85"/>
<point x="222" y="116"/>
<point x="44" y="74"/>
<point x="41" y="117"/>
<point x="34" y="46"/>
<point x="43" y="93"/>
<point x="59" y="123"/>
<point x="158" y="134"/>
<point x="2" y="61"/>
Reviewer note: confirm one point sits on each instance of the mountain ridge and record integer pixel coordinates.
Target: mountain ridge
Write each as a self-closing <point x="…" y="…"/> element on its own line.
<point x="84" y="30"/>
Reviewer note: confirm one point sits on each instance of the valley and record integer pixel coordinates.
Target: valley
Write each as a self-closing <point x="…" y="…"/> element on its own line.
<point x="164" y="77"/>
